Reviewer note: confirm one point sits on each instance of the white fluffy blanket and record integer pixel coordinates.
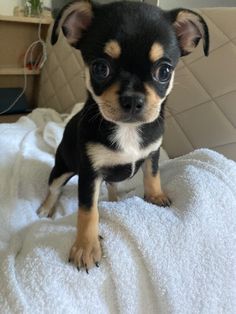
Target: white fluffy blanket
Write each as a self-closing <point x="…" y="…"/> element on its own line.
<point x="156" y="260"/>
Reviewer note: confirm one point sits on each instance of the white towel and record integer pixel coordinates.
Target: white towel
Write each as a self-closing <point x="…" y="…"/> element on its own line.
<point x="156" y="260"/>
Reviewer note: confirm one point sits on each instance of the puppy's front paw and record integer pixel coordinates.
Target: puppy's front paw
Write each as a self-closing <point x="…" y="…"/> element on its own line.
<point x="43" y="211"/>
<point x="160" y="200"/>
<point x="86" y="252"/>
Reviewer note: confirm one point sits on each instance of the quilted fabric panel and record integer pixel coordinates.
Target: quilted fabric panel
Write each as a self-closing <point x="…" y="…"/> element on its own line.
<point x="202" y="106"/>
<point x="201" y="110"/>
<point x="62" y="78"/>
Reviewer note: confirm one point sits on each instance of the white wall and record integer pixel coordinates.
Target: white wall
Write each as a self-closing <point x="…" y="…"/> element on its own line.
<point x="7" y="6"/>
<point x="169" y="4"/>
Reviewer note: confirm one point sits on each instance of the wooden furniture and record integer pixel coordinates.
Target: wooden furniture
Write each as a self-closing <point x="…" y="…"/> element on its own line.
<point x="17" y="33"/>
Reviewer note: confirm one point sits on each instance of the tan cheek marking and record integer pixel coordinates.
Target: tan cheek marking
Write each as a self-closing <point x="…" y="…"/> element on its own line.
<point x="108" y="102"/>
<point x="110" y="94"/>
<point x="156" y="52"/>
<point x="152" y="97"/>
<point x="153" y="104"/>
<point x="154" y="101"/>
<point x="113" y="49"/>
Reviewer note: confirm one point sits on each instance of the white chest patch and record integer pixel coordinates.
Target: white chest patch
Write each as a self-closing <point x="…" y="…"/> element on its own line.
<point x="128" y="140"/>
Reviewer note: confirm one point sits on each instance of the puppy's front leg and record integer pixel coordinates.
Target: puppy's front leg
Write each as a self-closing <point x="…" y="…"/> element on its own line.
<point x="86" y="250"/>
<point x="152" y="183"/>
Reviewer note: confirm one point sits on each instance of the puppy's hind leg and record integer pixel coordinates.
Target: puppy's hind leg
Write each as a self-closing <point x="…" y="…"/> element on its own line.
<point x="58" y="177"/>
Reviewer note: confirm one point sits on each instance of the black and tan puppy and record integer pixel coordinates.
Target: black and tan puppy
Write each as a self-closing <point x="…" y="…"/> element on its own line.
<point x="130" y="52"/>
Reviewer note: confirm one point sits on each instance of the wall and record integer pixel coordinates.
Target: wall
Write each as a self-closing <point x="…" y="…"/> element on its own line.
<point x="165" y="4"/>
<point x="169" y="4"/>
<point x="6" y="7"/>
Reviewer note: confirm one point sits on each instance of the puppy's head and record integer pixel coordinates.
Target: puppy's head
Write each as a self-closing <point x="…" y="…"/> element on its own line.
<point x="130" y="52"/>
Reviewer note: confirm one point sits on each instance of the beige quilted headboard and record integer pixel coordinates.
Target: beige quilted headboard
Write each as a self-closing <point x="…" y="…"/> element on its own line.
<point x="202" y="105"/>
<point x="62" y="78"/>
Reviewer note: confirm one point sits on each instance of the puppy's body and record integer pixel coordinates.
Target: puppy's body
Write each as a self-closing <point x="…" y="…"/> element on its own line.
<point x="105" y="150"/>
<point x="106" y="144"/>
<point x="130" y="52"/>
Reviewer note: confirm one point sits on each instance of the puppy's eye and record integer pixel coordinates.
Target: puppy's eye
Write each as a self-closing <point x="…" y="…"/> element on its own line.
<point x="162" y="72"/>
<point x="100" y="69"/>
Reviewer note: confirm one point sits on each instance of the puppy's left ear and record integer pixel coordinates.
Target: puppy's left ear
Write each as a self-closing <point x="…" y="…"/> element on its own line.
<point x="190" y="28"/>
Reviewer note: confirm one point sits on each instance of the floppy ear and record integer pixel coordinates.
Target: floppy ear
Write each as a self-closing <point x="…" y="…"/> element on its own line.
<point x="190" y="28"/>
<point x="73" y="19"/>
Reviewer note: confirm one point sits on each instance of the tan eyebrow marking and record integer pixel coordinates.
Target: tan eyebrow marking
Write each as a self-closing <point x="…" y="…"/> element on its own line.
<point x="156" y="52"/>
<point x="113" y="49"/>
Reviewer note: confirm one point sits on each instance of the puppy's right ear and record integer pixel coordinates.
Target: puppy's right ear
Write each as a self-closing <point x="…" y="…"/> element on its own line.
<point x="74" y="19"/>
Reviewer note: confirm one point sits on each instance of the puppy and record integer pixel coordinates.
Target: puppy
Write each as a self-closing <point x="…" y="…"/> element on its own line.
<point x="130" y="51"/>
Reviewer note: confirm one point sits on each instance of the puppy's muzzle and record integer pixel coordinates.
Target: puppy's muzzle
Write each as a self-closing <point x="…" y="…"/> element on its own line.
<point x="132" y="104"/>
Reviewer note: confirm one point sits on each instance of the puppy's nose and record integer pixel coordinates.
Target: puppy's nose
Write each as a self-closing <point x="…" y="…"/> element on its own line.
<point x="132" y="103"/>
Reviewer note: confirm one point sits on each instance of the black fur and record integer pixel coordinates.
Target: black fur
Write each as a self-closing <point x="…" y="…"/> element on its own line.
<point x="155" y="159"/>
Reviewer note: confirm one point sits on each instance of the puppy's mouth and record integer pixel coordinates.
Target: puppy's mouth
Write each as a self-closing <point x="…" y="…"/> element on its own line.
<point x="131" y="118"/>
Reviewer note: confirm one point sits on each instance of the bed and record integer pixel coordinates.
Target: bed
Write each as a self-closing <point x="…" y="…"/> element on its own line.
<point x="156" y="260"/>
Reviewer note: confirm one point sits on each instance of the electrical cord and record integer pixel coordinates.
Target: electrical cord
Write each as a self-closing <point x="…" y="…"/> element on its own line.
<point x="40" y="61"/>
